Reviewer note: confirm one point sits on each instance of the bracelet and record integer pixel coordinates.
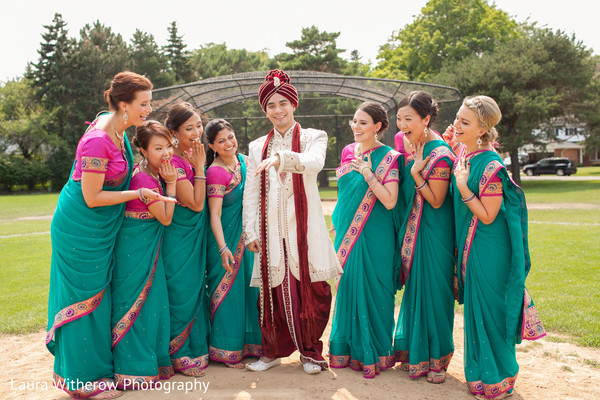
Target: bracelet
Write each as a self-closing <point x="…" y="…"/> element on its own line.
<point x="363" y="168"/>
<point x="199" y="178"/>
<point x="171" y="196"/>
<point x="370" y="178"/>
<point x="141" y="195"/>
<point x="373" y="184"/>
<point x="174" y="181"/>
<point x="222" y="249"/>
<point x="421" y="186"/>
<point x="468" y="199"/>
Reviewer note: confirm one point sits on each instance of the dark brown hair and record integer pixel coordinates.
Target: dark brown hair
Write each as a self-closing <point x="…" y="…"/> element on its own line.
<point x="212" y="130"/>
<point x="422" y="103"/>
<point x="178" y="114"/>
<point x="124" y="87"/>
<point x="146" y="131"/>
<point x="376" y="112"/>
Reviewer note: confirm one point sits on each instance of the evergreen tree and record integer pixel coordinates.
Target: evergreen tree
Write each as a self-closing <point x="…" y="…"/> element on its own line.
<point x="314" y="51"/>
<point x="178" y="56"/>
<point x="148" y="60"/>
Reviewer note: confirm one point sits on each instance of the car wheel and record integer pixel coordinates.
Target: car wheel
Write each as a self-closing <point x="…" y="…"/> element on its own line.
<point x="529" y="172"/>
<point x="560" y="172"/>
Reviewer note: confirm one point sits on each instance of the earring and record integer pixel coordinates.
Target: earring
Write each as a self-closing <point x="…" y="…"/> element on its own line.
<point x="426" y="131"/>
<point x="125" y="116"/>
<point x="175" y="142"/>
<point x="479" y="142"/>
<point x="145" y="162"/>
<point x="376" y="135"/>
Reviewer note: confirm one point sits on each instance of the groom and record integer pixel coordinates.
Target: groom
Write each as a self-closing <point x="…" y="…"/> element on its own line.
<point x="284" y="224"/>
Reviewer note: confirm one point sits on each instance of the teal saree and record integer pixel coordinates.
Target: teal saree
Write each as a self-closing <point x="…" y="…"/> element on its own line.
<point x="235" y="328"/>
<point x="140" y="303"/>
<point x="184" y="256"/>
<point x="493" y="262"/>
<point x="423" y="337"/>
<point x="366" y="244"/>
<point x="79" y="306"/>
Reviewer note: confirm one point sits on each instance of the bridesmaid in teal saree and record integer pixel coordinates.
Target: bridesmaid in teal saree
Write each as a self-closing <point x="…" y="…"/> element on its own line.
<point x="140" y="301"/>
<point x="84" y="228"/>
<point x="423" y="341"/>
<point x="184" y="246"/>
<point x="235" y="329"/>
<point x="366" y="244"/>
<point x="493" y="254"/>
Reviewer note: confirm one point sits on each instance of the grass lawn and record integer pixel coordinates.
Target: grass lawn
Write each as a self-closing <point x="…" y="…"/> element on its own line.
<point x="563" y="281"/>
<point x="587" y="171"/>
<point x="562" y="191"/>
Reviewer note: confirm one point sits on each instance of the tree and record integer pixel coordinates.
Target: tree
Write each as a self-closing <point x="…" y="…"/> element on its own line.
<point x="446" y="31"/>
<point x="22" y="118"/>
<point x="314" y="51"/>
<point x="54" y="54"/>
<point x="148" y="60"/>
<point x="178" y="56"/>
<point x="534" y="78"/>
<point x="216" y="59"/>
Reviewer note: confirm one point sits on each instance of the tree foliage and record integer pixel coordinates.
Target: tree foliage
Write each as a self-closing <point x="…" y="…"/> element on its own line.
<point x="446" y="31"/>
<point x="314" y="51"/>
<point x="216" y="59"/>
<point x="541" y="75"/>
<point x="147" y="59"/>
<point x="177" y="55"/>
<point x="22" y="119"/>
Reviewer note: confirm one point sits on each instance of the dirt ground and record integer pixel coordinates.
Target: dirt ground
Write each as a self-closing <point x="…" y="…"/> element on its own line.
<point x="548" y="370"/>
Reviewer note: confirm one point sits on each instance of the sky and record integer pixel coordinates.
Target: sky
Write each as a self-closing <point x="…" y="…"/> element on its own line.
<point x="256" y="24"/>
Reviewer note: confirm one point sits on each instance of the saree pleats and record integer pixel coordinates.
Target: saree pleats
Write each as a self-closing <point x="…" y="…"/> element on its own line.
<point x="363" y="320"/>
<point x="184" y="255"/>
<point x="493" y="261"/>
<point x="235" y="328"/>
<point x="79" y="305"/>
<point x="423" y="337"/>
<point x="140" y="316"/>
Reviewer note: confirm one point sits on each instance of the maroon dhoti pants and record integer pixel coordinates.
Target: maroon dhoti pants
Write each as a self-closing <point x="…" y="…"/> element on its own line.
<point x="287" y="302"/>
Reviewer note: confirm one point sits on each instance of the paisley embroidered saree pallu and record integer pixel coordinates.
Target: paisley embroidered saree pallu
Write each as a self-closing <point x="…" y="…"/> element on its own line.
<point x="79" y="306"/>
<point x="366" y="242"/>
<point x="140" y="316"/>
<point x="423" y="337"/>
<point x="184" y="256"/>
<point x="235" y="328"/>
<point x="493" y="262"/>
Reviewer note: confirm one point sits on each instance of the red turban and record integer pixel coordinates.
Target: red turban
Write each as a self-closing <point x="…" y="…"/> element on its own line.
<point x="277" y="82"/>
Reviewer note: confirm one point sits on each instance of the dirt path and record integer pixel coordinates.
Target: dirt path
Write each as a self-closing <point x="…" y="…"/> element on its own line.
<point x="549" y="370"/>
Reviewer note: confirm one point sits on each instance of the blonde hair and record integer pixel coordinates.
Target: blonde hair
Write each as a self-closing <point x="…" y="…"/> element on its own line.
<point x="488" y="113"/>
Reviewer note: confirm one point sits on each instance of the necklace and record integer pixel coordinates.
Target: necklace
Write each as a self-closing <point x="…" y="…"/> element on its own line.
<point x="358" y="154"/>
<point x="151" y="174"/>
<point x="120" y="137"/>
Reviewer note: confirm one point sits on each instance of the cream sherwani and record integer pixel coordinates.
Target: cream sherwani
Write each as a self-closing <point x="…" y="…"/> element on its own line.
<point x="281" y="215"/>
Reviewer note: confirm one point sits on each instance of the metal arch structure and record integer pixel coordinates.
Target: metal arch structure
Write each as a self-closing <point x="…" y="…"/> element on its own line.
<point x="211" y="93"/>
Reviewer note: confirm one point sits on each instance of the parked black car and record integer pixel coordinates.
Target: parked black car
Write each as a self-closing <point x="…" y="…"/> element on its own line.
<point x="553" y="165"/>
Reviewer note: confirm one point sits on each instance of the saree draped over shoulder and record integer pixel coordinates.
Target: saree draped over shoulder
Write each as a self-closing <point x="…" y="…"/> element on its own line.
<point x="184" y="256"/>
<point x="140" y="301"/>
<point x="423" y="337"/>
<point x="235" y="328"/>
<point x="493" y="262"/>
<point x="366" y="244"/>
<point x="83" y="238"/>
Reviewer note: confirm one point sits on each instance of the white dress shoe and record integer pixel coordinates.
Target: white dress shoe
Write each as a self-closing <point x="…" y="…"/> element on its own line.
<point x="260" y="365"/>
<point x="311" y="368"/>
